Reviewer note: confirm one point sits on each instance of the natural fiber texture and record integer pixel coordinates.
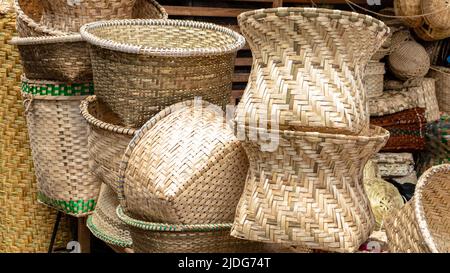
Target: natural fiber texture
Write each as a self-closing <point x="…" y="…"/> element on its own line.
<point x="58" y="137"/>
<point x="373" y="80"/>
<point x="306" y="188"/>
<point x="409" y="60"/>
<point x="442" y="77"/>
<point x="105" y="224"/>
<point x="308" y="68"/>
<point x="426" y="95"/>
<point x="441" y="13"/>
<point x="371" y="170"/>
<point x="170" y="60"/>
<point x="25" y="225"/>
<point x="409" y="8"/>
<point x="184" y="166"/>
<point x="428" y="33"/>
<point x="394" y="164"/>
<point x="422" y="225"/>
<point x="393" y="102"/>
<point x="107" y="140"/>
<point x="406" y="128"/>
<point x="384" y="198"/>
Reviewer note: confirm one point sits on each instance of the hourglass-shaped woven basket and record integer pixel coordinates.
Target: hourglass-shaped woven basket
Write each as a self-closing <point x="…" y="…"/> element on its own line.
<point x="422" y="225"/>
<point x="308" y="67"/>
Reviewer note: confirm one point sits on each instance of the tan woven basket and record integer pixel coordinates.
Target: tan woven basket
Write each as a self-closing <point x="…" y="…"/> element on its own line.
<point x="428" y="33"/>
<point x="409" y="8"/>
<point x="105" y="224"/>
<point x="426" y="94"/>
<point x="374" y="79"/>
<point x="442" y="77"/>
<point x="293" y="171"/>
<point x="170" y="60"/>
<point x="394" y="164"/>
<point x="58" y="135"/>
<point x="184" y="166"/>
<point x="409" y="60"/>
<point x="440" y="13"/>
<point x="422" y="225"/>
<point x="107" y="141"/>
<point x="300" y="78"/>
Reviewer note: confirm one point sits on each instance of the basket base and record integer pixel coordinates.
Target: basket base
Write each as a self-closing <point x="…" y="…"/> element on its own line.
<point x="80" y="208"/>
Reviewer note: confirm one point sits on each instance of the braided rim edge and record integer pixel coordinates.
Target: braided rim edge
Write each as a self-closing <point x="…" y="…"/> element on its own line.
<point x="104" y="236"/>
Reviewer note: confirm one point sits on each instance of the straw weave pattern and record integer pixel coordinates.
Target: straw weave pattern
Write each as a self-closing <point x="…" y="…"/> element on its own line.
<point x="374" y="79"/>
<point x="442" y="76"/>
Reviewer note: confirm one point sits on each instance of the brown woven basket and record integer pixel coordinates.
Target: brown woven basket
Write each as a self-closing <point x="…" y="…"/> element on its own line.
<point x="374" y="79"/>
<point x="440" y="13"/>
<point x="409" y="60"/>
<point x="170" y="60"/>
<point x="291" y="172"/>
<point x="409" y="8"/>
<point x="428" y="33"/>
<point x="442" y="77"/>
<point x="58" y="136"/>
<point x="184" y="166"/>
<point x="422" y="225"/>
<point x="302" y="78"/>
<point x="107" y="140"/>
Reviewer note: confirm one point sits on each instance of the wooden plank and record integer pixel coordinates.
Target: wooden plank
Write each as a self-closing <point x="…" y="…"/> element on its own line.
<point x="243" y="62"/>
<point x="241" y="77"/>
<point x="204" y="11"/>
<point x="84" y="235"/>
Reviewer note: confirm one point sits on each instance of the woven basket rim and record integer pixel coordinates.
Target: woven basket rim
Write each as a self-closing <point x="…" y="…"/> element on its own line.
<point x="70" y="38"/>
<point x="418" y="205"/>
<point x="104" y="236"/>
<point x="155" y="51"/>
<point x="165" y="227"/>
<point x="90" y="119"/>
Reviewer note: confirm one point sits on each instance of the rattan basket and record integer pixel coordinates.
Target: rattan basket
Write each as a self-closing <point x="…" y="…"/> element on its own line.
<point x="409" y="8"/>
<point x="440" y="13"/>
<point x="59" y="137"/>
<point x="170" y="60"/>
<point x="301" y="78"/>
<point x="422" y="225"/>
<point x="291" y="172"/>
<point x="104" y="223"/>
<point x="107" y="140"/>
<point x="374" y="79"/>
<point x="409" y="60"/>
<point x="442" y="76"/>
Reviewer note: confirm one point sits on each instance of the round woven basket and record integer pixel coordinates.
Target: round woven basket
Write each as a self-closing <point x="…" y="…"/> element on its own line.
<point x="58" y="136"/>
<point x="427" y="33"/>
<point x="422" y="225"/>
<point x="184" y="166"/>
<point x="442" y="77"/>
<point x="170" y="60"/>
<point x="291" y="172"/>
<point x="409" y="8"/>
<point x="301" y="79"/>
<point x="105" y="224"/>
<point x="374" y="79"/>
<point x="409" y="60"/>
<point x="427" y="99"/>
<point x="107" y="140"/>
<point x="440" y="13"/>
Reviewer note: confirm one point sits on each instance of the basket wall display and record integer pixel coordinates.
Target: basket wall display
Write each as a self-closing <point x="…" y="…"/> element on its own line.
<point x="58" y="136"/>
<point x="409" y="60"/>
<point x="442" y="77"/>
<point x="374" y="79"/>
<point x="104" y="223"/>
<point x="409" y="8"/>
<point x="439" y="13"/>
<point x="291" y="173"/>
<point x="25" y="225"/>
<point x="394" y="164"/>
<point x="407" y="130"/>
<point x="170" y="60"/>
<point x="422" y="224"/>
<point x="107" y="140"/>
<point x="308" y="67"/>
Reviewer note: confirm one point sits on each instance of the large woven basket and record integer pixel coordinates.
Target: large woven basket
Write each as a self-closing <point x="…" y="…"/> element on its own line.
<point x="439" y="11"/>
<point x="374" y="79"/>
<point x="170" y="60"/>
<point x="184" y="166"/>
<point x="293" y="171"/>
<point x="410" y="8"/>
<point x="59" y="137"/>
<point x="105" y="224"/>
<point x="428" y="33"/>
<point x="409" y="60"/>
<point x="303" y="79"/>
<point x="25" y="225"/>
<point x="107" y="140"/>
<point x="422" y="225"/>
<point x="442" y="76"/>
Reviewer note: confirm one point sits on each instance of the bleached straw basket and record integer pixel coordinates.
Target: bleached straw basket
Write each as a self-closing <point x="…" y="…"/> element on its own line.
<point x="422" y="225"/>
<point x="374" y="79"/>
<point x="442" y="77"/>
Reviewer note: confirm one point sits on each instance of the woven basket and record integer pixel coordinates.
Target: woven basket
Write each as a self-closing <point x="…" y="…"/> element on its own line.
<point x="409" y="60"/>
<point x="428" y="33"/>
<point x="440" y="9"/>
<point x="107" y="141"/>
<point x="301" y="78"/>
<point x="165" y="177"/>
<point x="291" y="172"/>
<point x="58" y="135"/>
<point x="392" y="102"/>
<point x="105" y="224"/>
<point x="25" y="225"/>
<point x="426" y="94"/>
<point x="422" y="225"/>
<point x="371" y="170"/>
<point x="170" y="60"/>
<point x="442" y="76"/>
<point x="394" y="164"/>
<point x="373" y="80"/>
<point x="409" y="8"/>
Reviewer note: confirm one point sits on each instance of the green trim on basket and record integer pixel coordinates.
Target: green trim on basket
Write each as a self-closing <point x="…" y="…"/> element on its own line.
<point x="69" y="207"/>
<point x="105" y="236"/>
<point x="58" y="89"/>
<point x="170" y="227"/>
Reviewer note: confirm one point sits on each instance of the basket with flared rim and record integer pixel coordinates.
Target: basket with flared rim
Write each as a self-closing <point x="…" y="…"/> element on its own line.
<point x="171" y="60"/>
<point x="422" y="224"/>
<point x="308" y="67"/>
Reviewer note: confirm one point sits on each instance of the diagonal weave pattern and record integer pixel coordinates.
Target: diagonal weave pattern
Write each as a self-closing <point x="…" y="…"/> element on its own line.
<point x="308" y="67"/>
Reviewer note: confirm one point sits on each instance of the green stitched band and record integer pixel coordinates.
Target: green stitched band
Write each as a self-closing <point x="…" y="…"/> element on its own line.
<point x="69" y="207"/>
<point x="61" y="89"/>
<point x="105" y="236"/>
